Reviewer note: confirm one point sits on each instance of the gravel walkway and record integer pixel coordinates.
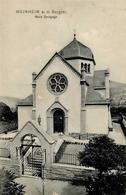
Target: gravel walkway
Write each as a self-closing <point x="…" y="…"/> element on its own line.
<point x="34" y="186"/>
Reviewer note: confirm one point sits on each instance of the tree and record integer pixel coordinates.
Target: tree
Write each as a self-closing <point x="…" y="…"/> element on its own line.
<point x="109" y="184"/>
<point x="8" y="185"/>
<point x="5" y="112"/>
<point x="102" y="154"/>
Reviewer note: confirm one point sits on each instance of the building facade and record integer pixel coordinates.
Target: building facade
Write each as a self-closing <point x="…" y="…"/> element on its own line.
<point x="69" y="95"/>
<point x="70" y="102"/>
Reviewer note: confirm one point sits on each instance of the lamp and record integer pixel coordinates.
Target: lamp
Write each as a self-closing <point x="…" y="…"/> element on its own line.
<point x="39" y="120"/>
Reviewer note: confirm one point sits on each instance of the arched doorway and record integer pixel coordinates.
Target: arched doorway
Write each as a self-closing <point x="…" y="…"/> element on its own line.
<point x="58" y="121"/>
<point x="57" y="118"/>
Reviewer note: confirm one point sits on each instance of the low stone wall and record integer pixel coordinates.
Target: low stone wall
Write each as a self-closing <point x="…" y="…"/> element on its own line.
<point x="85" y="136"/>
<point x="10" y="164"/>
<point x="67" y="172"/>
<point x="56" y="171"/>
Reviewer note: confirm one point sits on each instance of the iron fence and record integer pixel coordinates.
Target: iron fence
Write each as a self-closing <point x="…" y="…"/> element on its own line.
<point x="65" y="158"/>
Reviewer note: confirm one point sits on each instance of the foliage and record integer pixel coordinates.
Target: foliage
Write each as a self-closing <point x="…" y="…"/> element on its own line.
<point x="15" y="114"/>
<point x="8" y="119"/>
<point x="8" y="186"/>
<point x="113" y="184"/>
<point x="5" y="112"/>
<point x="118" y="110"/>
<point x="109" y="160"/>
<point x="102" y="154"/>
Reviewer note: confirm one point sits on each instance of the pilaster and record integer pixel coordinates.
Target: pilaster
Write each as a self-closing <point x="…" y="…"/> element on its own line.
<point x="34" y="96"/>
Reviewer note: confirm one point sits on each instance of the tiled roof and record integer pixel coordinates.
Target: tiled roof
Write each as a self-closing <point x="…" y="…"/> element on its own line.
<point x="28" y="101"/>
<point x="93" y="97"/>
<point x="98" y="80"/>
<point x="76" y="49"/>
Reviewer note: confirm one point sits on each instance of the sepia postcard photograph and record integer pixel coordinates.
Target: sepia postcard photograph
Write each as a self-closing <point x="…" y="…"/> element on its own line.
<point x="62" y="97"/>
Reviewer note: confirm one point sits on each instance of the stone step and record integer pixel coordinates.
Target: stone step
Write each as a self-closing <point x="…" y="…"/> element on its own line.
<point x="68" y="153"/>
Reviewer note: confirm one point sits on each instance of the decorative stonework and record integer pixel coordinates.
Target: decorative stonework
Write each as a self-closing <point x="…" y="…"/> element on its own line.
<point x="57" y="83"/>
<point x="50" y="126"/>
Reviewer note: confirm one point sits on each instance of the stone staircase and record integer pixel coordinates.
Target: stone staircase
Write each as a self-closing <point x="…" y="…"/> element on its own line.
<point x="73" y="148"/>
<point x="68" y="153"/>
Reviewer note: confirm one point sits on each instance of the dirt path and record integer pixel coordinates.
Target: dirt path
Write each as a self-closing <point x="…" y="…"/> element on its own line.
<point x="34" y="186"/>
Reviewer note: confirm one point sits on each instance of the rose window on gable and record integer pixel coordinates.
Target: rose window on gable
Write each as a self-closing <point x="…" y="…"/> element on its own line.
<point x="57" y="83"/>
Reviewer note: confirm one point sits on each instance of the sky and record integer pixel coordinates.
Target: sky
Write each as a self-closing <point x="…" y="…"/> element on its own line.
<point x="27" y="42"/>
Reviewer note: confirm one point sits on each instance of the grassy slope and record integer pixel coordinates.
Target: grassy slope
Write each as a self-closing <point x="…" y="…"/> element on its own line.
<point x="118" y="93"/>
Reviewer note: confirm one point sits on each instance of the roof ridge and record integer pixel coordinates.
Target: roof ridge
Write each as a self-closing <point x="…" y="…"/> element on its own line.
<point x="66" y="46"/>
<point x="83" y="44"/>
<point x="77" y="43"/>
<point x="46" y="136"/>
<point x="77" y="49"/>
<point x="63" y="59"/>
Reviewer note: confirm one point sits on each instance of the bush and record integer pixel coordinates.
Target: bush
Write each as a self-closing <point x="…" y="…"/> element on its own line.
<point x="5" y="112"/>
<point x="106" y="157"/>
<point x="102" y="154"/>
<point x="113" y="184"/>
<point x="8" y="186"/>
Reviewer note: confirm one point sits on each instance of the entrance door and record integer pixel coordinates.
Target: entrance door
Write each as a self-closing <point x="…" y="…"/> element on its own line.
<point x="58" y="118"/>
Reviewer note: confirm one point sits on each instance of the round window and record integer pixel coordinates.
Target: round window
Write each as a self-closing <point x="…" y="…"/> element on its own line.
<point x="57" y="83"/>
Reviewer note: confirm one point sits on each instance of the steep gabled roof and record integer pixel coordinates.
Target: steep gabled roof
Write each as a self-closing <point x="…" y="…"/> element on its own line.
<point x="38" y="128"/>
<point x="93" y="97"/>
<point x="98" y="80"/>
<point x="57" y="54"/>
<point x="28" y="101"/>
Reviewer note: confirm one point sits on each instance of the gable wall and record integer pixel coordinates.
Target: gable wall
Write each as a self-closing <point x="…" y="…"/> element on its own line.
<point x="30" y="129"/>
<point x="70" y="99"/>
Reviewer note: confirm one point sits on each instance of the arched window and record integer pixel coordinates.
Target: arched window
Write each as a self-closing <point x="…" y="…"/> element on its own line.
<point x="86" y="70"/>
<point x="86" y="67"/>
<point x="82" y="65"/>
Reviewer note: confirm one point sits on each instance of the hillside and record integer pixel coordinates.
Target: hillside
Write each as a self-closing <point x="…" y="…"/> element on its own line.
<point x="118" y="93"/>
<point x="10" y="101"/>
